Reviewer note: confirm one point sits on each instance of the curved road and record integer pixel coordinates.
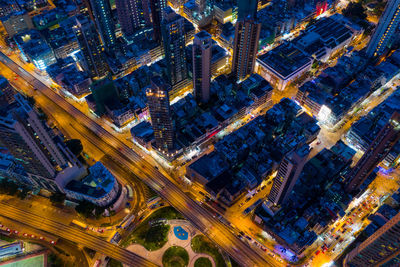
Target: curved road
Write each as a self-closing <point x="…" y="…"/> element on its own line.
<point x="149" y="174"/>
<point x="72" y="234"/>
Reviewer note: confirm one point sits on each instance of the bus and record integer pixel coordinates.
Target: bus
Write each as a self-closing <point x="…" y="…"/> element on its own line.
<point x="128" y="222"/>
<point x="11" y="249"/>
<point x="130" y="192"/>
<point x="79" y="224"/>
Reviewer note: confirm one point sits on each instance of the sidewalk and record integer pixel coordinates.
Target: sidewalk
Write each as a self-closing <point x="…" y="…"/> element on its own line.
<point x="156" y="256"/>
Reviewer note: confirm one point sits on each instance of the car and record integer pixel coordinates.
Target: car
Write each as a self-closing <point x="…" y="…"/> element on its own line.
<point x="247" y="199"/>
<point x="264" y="249"/>
<point x="16" y="232"/>
<point x="263" y="187"/>
<point x="52" y="242"/>
<point x="41" y="238"/>
<point x="317" y="252"/>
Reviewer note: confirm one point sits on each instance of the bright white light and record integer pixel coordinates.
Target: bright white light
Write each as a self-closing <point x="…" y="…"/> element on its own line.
<point x="329" y="264"/>
<point x="324" y="113"/>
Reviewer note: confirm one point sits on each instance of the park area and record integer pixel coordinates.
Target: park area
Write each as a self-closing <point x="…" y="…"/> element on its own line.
<point x="168" y="240"/>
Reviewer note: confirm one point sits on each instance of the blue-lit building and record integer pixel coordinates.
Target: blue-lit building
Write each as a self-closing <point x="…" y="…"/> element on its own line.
<point x="35" y="49"/>
<point x="100" y="187"/>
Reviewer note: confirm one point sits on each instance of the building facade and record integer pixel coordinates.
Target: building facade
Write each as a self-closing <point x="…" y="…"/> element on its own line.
<point x="379" y="248"/>
<point x="376" y="152"/>
<point x="31" y="142"/>
<point x="201" y="54"/>
<point x="91" y="49"/>
<point x="385" y="31"/>
<point x="160" y="114"/>
<point x="173" y="32"/>
<point x="105" y="24"/>
<point x="289" y="170"/>
<point x="128" y="15"/>
<point x="245" y="47"/>
<point x="156" y="7"/>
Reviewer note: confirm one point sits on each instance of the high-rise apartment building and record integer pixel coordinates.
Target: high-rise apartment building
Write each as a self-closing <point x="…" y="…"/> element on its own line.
<point x="33" y="144"/>
<point x="384" y="32"/>
<point x="173" y="33"/>
<point x="129" y="15"/>
<point x="105" y="24"/>
<point x="156" y="8"/>
<point x="91" y="48"/>
<point x="379" y="248"/>
<point x="201" y="54"/>
<point x="17" y="22"/>
<point x="387" y="137"/>
<point x="160" y="114"/>
<point x="245" y="47"/>
<point x="288" y="173"/>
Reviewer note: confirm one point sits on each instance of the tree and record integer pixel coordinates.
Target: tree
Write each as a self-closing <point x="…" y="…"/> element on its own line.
<point x="57" y="198"/>
<point x="8" y="187"/>
<point x="75" y="145"/>
<point x="157" y="233"/>
<point x="85" y="208"/>
<point x="355" y="11"/>
<point x="23" y="193"/>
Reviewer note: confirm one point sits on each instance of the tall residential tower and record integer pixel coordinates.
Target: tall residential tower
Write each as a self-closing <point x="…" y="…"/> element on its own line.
<point x="173" y="33"/>
<point x="156" y="8"/>
<point x="379" y="248"/>
<point x="105" y="24"/>
<point x="387" y="137"/>
<point x="247" y="34"/>
<point x="90" y="46"/>
<point x="288" y="173"/>
<point x="160" y="114"/>
<point x="201" y="53"/>
<point x="128" y="15"/>
<point x="384" y="32"/>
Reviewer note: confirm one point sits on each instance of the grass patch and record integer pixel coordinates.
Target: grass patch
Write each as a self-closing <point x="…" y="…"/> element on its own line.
<point x="153" y="237"/>
<point x="175" y="257"/>
<point x="202" y="262"/>
<point x="7" y="238"/>
<point x="114" y="263"/>
<point x="201" y="244"/>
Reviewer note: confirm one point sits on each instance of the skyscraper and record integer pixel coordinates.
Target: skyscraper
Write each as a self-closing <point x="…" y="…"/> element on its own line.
<point x="289" y="170"/>
<point x="160" y="114"/>
<point x="379" y="248"/>
<point x="90" y="46"/>
<point x="247" y="8"/>
<point x="31" y="142"/>
<point x="376" y="152"/>
<point x="247" y="34"/>
<point x="156" y="8"/>
<point x="104" y="22"/>
<point x="384" y="32"/>
<point x="173" y="32"/>
<point x="128" y="15"/>
<point x="201" y="53"/>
